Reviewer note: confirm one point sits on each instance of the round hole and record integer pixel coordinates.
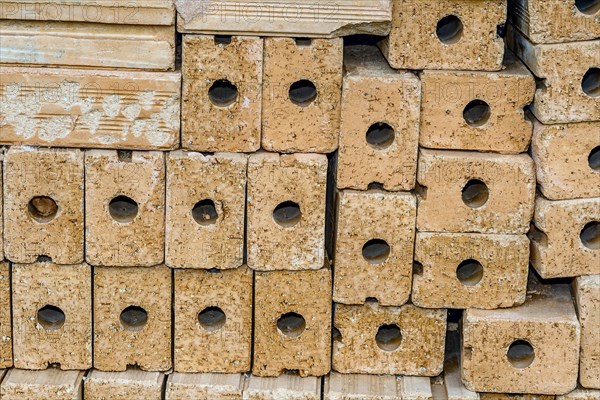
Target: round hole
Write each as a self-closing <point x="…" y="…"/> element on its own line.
<point x="291" y="324"/>
<point x="222" y="93"/>
<point x="590" y="235"/>
<point x="205" y="212"/>
<point x="591" y="82"/>
<point x="212" y="318"/>
<point x="477" y="113"/>
<point x="133" y="318"/>
<point x="388" y="337"/>
<point x="123" y="209"/>
<point x="303" y="92"/>
<point x="51" y="318"/>
<point x="336" y="335"/>
<point x="475" y="193"/>
<point x="520" y="354"/>
<point x="469" y="272"/>
<point x="594" y="159"/>
<point x="43" y="209"/>
<point x="588" y="7"/>
<point x="380" y="135"/>
<point x="287" y="214"/>
<point x="449" y="29"/>
<point x="376" y="251"/>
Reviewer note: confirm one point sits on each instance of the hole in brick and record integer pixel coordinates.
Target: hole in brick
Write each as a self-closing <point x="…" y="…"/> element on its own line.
<point x="205" y="212"/>
<point x="594" y="159"/>
<point x="380" y="135"/>
<point x="376" y="251"/>
<point x="212" y="318"/>
<point x="303" y="41"/>
<point x="590" y="235"/>
<point x="125" y="155"/>
<point x="43" y="209"/>
<point x="477" y="113"/>
<point x="475" y="193"/>
<point x="287" y="214"/>
<point x="133" y="318"/>
<point x="303" y="92"/>
<point x="123" y="209"/>
<point x="520" y="354"/>
<point x="213" y="271"/>
<point x="291" y="324"/>
<point x="388" y="337"/>
<point x="536" y="235"/>
<point x="43" y="258"/>
<point x="375" y="186"/>
<point x="223" y="39"/>
<point x="222" y="93"/>
<point x="449" y="29"/>
<point x="469" y="272"/>
<point x="417" y="268"/>
<point x="588" y="7"/>
<point x="371" y="300"/>
<point x="336" y="335"/>
<point x="591" y="82"/>
<point x="51" y="318"/>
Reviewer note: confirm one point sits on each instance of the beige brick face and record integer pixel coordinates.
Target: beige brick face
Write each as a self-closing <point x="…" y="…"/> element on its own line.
<point x="182" y="386"/>
<point x="126" y="385"/>
<point x="587" y="300"/>
<point x="6" y="355"/>
<point x="48" y="384"/>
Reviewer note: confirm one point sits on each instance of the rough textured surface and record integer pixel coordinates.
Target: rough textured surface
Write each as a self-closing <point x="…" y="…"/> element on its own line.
<point x="288" y="387"/>
<point x="373" y="94"/>
<point x="443" y="175"/>
<point x="216" y="123"/>
<point x="39" y="338"/>
<point x="581" y="394"/>
<point x="195" y="237"/>
<point x="303" y="347"/>
<point x="221" y="339"/>
<point x="587" y="297"/>
<point x="1" y="206"/>
<point x="374" y="247"/>
<point x="49" y="384"/>
<point x="360" y="387"/>
<point x="6" y="359"/>
<point x="205" y="386"/>
<point x="126" y="385"/>
<point x="507" y="396"/>
<point x="557" y="238"/>
<point x="312" y="125"/>
<point x="120" y="340"/>
<point x="418" y="350"/>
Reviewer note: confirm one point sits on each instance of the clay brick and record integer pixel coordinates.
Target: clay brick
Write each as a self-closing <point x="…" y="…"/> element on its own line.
<point x="566" y="237"/>
<point x="206" y="203"/>
<point x="292" y="322"/>
<point x="508" y="396"/>
<point x="289" y="387"/>
<point x="532" y="348"/>
<point x="213" y="331"/>
<point x="475" y="192"/>
<point x="43" y="201"/>
<point x="83" y="108"/>
<point x="457" y="35"/>
<point x="388" y="340"/>
<point x="48" y="384"/>
<point x="567" y="159"/>
<point x="414" y="388"/>
<point x="132" y="318"/>
<point x="581" y="394"/>
<point x="286" y="211"/>
<point x="360" y="387"/>
<point x="126" y="385"/>
<point x="374" y="247"/>
<point x="587" y="297"/>
<point x="379" y="123"/>
<point x="477" y="110"/>
<point x="6" y="356"/>
<point x="52" y="315"/>
<point x="205" y="386"/>
<point x="469" y="270"/>
<point x="302" y="93"/>
<point x="125" y="202"/>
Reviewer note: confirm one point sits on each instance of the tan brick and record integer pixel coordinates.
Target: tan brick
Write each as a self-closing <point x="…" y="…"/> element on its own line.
<point x="48" y="384"/>
<point x="213" y="331"/>
<point x="458" y="35"/>
<point x="566" y="237"/>
<point x="587" y="301"/>
<point x="508" y="396"/>
<point x="388" y="340"/>
<point x="415" y="388"/>
<point x="360" y="387"/>
<point x="90" y="108"/>
<point x="292" y="322"/>
<point x="289" y="387"/>
<point x="567" y="159"/>
<point x="43" y="201"/>
<point x="132" y="318"/>
<point x="379" y="123"/>
<point x="475" y="192"/>
<point x="206" y="200"/>
<point x="469" y="270"/>
<point x="205" y="386"/>
<point x="301" y="96"/>
<point x="6" y="355"/>
<point x="126" y="385"/>
<point x="125" y="199"/>
<point x="1" y="206"/>
<point x="374" y="247"/>
<point x="52" y="315"/>
<point x="581" y="394"/>
<point x="286" y="211"/>
<point x="477" y="110"/>
<point x="222" y="93"/>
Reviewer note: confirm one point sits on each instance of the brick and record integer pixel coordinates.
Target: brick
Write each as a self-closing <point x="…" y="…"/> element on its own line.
<point x="379" y="129"/>
<point x="222" y="91"/>
<point x="205" y="386"/>
<point x="301" y="96"/>
<point x="292" y="324"/>
<point x="474" y="192"/>
<point x="48" y="384"/>
<point x="388" y="340"/>
<point x="469" y="270"/>
<point x="567" y="159"/>
<point x="43" y="200"/>
<point x="374" y="247"/>
<point x="360" y="387"/>
<point x="213" y="332"/>
<point x="477" y="110"/>
<point x="126" y="385"/>
<point x="63" y="107"/>
<point x="52" y="315"/>
<point x="286" y="211"/>
<point x="205" y="213"/>
<point x="587" y="301"/>
<point x="457" y="35"/>
<point x="415" y="388"/>
<point x="289" y="387"/>
<point x="566" y="237"/>
<point x="132" y="318"/>
<point x="581" y="394"/>
<point x="1" y="206"/>
<point x="125" y="202"/>
<point x="508" y="396"/>
<point x="6" y="355"/>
